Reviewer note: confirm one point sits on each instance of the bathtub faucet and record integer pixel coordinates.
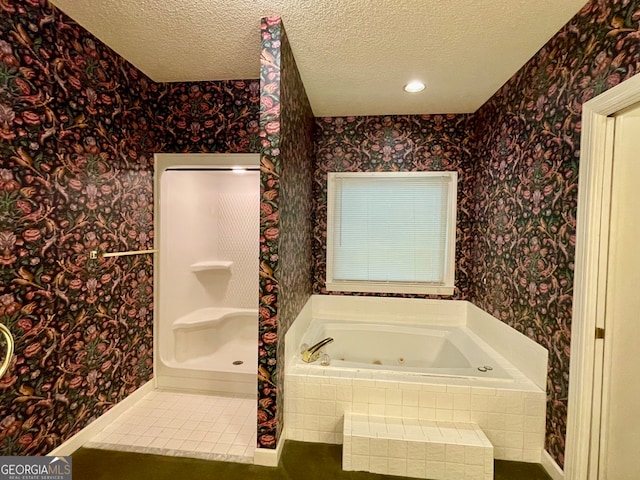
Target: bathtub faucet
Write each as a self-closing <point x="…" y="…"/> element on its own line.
<point x="311" y="354"/>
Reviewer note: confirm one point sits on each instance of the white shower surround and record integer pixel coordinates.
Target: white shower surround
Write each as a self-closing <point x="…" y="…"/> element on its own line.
<point x="511" y="413"/>
<point x="207" y="234"/>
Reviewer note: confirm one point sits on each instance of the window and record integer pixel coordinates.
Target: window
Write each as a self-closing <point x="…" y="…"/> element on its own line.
<point x="391" y="232"/>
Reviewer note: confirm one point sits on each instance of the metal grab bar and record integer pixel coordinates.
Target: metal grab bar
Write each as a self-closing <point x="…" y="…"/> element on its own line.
<point x="93" y="254"/>
<point x="133" y="252"/>
<point x="7" y="359"/>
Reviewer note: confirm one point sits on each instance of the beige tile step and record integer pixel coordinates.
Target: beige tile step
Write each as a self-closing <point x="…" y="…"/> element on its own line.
<point x="416" y="448"/>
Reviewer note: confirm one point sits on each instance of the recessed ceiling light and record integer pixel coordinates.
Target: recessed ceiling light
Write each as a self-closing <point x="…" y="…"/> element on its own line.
<point x="414" y="86"/>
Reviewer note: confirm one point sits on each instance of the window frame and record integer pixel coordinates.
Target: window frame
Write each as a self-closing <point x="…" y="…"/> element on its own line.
<point x="446" y="288"/>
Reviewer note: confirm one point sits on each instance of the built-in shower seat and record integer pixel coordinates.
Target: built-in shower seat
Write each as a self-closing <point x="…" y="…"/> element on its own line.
<point x="200" y="333"/>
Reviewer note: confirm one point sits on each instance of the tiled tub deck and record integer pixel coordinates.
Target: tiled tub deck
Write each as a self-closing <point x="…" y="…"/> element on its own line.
<point x="512" y="415"/>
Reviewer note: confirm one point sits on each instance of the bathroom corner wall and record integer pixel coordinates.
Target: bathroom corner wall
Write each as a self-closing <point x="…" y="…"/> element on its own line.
<point x="396" y="143"/>
<point x="286" y="128"/>
<point x="526" y="185"/>
<point x="78" y="129"/>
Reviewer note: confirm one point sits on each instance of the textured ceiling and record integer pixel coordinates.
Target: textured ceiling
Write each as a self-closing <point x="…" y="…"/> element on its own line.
<point x="354" y="56"/>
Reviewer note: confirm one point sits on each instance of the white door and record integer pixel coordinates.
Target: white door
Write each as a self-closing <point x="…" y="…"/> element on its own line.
<point x="620" y="431"/>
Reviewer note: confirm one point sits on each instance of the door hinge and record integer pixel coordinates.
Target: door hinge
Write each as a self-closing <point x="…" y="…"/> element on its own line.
<point x="599" y="333"/>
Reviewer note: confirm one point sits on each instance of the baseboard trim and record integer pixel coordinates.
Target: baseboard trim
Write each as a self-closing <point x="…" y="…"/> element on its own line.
<point x="270" y="457"/>
<point x="551" y="467"/>
<point x="95" y="427"/>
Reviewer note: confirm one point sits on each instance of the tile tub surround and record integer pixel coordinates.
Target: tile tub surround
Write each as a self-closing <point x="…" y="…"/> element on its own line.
<point x="513" y="419"/>
<point x="184" y="425"/>
<point x="416" y="448"/>
<point x="512" y="414"/>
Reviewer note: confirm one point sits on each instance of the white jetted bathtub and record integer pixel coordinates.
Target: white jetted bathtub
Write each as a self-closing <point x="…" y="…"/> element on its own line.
<point x="442" y="361"/>
<point x="451" y="351"/>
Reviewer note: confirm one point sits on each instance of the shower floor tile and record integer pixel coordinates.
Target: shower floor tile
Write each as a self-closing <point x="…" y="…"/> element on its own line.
<point x="185" y="425"/>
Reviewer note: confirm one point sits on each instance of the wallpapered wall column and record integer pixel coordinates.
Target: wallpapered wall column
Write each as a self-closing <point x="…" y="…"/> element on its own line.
<point x="396" y="143"/>
<point x="286" y="124"/>
<point x="526" y="184"/>
<point x="78" y="130"/>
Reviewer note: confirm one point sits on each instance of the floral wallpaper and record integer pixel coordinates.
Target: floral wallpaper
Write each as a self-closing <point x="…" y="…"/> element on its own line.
<point x="297" y="147"/>
<point x="287" y="123"/>
<point x="211" y="116"/>
<point x="395" y="143"/>
<point x="78" y="130"/>
<point x="526" y="184"/>
<point x="76" y="150"/>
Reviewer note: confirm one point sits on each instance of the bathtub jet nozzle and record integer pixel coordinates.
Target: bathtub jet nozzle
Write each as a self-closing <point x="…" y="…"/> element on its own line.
<point x="311" y="354"/>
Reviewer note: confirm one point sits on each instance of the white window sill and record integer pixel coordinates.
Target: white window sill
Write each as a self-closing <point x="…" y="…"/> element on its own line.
<point x="388" y="287"/>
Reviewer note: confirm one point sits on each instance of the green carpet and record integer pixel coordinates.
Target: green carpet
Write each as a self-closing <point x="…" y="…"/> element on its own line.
<point x="299" y="461"/>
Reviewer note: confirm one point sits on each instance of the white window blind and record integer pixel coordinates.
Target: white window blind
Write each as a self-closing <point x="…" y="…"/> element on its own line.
<point x="390" y="229"/>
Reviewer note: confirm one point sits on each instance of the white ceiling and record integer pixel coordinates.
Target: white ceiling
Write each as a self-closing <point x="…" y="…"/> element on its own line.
<point x="354" y="56"/>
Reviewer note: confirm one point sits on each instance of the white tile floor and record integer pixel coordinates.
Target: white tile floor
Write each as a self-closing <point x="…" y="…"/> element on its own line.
<point x="185" y="425"/>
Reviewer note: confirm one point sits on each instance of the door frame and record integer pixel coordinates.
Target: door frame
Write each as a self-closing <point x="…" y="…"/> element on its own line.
<point x="592" y="243"/>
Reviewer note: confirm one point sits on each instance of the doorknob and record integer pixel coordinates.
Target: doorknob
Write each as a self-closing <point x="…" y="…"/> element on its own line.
<point x="9" y="341"/>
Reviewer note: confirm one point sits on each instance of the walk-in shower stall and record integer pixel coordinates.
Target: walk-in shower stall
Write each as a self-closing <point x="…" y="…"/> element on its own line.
<point x="206" y="272"/>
